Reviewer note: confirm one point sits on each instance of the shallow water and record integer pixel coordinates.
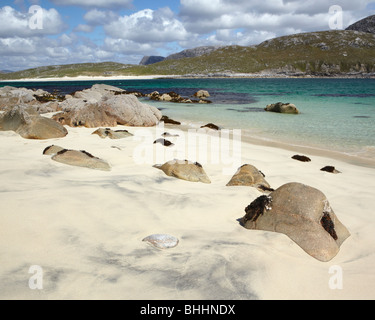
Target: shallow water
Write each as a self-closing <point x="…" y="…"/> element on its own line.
<point x="336" y="114"/>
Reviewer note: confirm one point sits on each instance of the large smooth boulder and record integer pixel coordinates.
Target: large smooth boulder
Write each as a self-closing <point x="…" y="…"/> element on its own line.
<point x="202" y="94"/>
<point x="185" y="170"/>
<point x="104" y="108"/>
<point x="30" y="125"/>
<point x="248" y="175"/>
<point x="81" y="159"/>
<point x="302" y="213"/>
<point x="280" y="107"/>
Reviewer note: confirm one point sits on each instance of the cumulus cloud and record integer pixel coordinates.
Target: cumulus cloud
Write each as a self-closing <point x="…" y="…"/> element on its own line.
<point x="97" y="17"/>
<point x="16" y="24"/>
<point x="95" y="3"/>
<point x="148" y="26"/>
<point x="258" y="18"/>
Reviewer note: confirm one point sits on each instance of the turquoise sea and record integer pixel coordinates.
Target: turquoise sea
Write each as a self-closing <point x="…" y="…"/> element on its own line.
<point x="336" y="114"/>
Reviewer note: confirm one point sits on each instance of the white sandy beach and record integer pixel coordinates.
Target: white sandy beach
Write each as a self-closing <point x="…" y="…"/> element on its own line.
<point x="88" y="78"/>
<point x="84" y="227"/>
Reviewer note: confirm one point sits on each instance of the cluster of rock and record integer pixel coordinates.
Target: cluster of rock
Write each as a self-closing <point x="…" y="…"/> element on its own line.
<point x="330" y="169"/>
<point x="176" y="98"/>
<point x="105" y="106"/>
<point x="39" y="100"/>
<point x="99" y="106"/>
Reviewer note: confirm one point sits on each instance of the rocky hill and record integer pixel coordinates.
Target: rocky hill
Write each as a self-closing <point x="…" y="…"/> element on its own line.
<point x="364" y="25"/>
<point x="146" y="60"/>
<point x="325" y="53"/>
<point x="191" y="53"/>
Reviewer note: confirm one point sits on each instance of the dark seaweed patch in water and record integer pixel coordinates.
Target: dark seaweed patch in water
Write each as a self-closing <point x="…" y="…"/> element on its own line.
<point x="247" y="109"/>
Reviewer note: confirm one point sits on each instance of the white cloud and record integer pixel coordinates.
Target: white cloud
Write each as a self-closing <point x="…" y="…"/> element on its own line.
<point x="95" y="3"/>
<point x="97" y="17"/>
<point x="16" y="24"/>
<point x="84" y="28"/>
<point x="148" y="26"/>
<point x="124" y="46"/>
<point x="262" y="18"/>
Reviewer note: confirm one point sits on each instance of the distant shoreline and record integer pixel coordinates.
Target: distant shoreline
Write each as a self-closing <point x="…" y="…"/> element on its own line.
<point x="198" y="76"/>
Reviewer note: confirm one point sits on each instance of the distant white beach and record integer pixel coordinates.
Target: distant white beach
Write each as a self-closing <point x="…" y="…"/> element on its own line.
<point x="86" y="78"/>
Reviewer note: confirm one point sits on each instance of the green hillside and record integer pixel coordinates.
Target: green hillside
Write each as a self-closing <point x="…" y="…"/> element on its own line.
<point x="319" y="53"/>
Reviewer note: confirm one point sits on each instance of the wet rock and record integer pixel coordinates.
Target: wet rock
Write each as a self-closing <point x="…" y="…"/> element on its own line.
<point x="202" y="94"/>
<point x="330" y="169"/>
<point x="303" y="214"/>
<point x="167" y="120"/>
<point x="211" y="126"/>
<point x="164" y="142"/>
<point x="185" y="170"/>
<point x="280" y="107"/>
<point x="301" y="158"/>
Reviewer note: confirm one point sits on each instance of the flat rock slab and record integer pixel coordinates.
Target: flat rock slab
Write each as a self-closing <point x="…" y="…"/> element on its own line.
<point x="303" y="214"/>
<point x="52" y="150"/>
<point x="184" y="170"/>
<point x="109" y="133"/>
<point x="81" y="159"/>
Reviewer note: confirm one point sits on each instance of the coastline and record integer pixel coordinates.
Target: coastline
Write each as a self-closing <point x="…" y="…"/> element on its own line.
<point x="87" y="78"/>
<point x="85" y="227"/>
<point x="261" y="75"/>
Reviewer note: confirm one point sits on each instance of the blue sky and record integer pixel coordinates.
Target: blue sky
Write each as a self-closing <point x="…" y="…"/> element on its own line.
<point x="74" y="31"/>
